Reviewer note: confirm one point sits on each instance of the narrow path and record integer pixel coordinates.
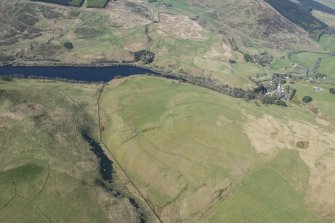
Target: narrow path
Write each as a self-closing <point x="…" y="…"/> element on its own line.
<point x="44" y="184"/>
<point x="117" y="162"/>
<point x="11" y="199"/>
<point x="76" y="124"/>
<point x="36" y="207"/>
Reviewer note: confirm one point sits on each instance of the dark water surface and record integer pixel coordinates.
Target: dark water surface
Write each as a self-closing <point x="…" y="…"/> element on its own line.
<point x="60" y="2"/>
<point x="106" y="165"/>
<point x="106" y="170"/>
<point x="88" y="74"/>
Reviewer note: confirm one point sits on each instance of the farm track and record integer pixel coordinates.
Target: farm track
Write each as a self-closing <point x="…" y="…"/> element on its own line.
<point x="45" y="182"/>
<point x="211" y="204"/>
<point x="11" y="199"/>
<point x="36" y="207"/>
<point x="16" y="195"/>
<point x="76" y="125"/>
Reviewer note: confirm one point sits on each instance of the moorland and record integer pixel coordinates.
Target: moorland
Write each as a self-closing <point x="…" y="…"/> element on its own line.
<point x="179" y="149"/>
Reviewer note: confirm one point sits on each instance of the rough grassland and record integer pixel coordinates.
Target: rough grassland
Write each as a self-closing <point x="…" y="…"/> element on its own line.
<point x="262" y="197"/>
<point x="307" y="59"/>
<point x="327" y="67"/>
<point x="197" y="155"/>
<point x="281" y="64"/>
<point x="329" y="19"/>
<point x="322" y="100"/>
<point x="328" y="42"/>
<point x="47" y="171"/>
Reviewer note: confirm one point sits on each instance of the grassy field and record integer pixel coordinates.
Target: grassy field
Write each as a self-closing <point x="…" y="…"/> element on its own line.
<point x="210" y="157"/>
<point x="264" y="196"/>
<point x="96" y="3"/>
<point x="181" y="5"/>
<point x="48" y="173"/>
<point x="327" y="67"/>
<point x="148" y="134"/>
<point x="322" y="100"/>
<point x="281" y="64"/>
<point x="328" y="42"/>
<point x="307" y="59"/>
<point x="193" y="154"/>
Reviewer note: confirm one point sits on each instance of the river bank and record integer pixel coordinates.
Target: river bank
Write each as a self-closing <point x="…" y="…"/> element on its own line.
<point x="106" y="73"/>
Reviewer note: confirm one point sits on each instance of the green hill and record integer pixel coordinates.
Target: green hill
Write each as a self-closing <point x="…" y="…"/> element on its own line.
<point x="197" y="155"/>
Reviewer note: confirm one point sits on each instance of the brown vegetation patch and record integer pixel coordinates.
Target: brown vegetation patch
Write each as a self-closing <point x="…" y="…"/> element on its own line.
<point x="22" y="111"/>
<point x="219" y="52"/>
<point x="329" y="19"/>
<point x="180" y="26"/>
<point x="119" y="11"/>
<point x="302" y="145"/>
<point x="268" y="134"/>
<point x="323" y="121"/>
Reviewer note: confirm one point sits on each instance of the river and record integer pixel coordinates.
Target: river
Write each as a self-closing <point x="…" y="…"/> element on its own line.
<point x="87" y="74"/>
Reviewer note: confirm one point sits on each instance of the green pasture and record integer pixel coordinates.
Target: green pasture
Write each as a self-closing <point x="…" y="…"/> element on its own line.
<point x="190" y="144"/>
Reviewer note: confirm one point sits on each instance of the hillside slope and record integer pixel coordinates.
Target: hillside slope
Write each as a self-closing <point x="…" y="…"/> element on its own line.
<point x="199" y="156"/>
<point x="195" y="37"/>
<point x="48" y="171"/>
<point x="255" y="21"/>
